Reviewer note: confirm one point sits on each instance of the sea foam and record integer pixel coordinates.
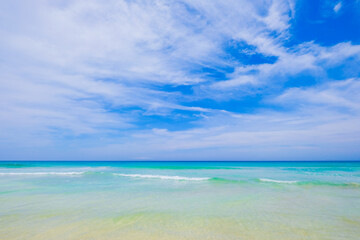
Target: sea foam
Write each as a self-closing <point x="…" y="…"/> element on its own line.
<point x="39" y="173"/>
<point x="276" y="181"/>
<point x="165" y="177"/>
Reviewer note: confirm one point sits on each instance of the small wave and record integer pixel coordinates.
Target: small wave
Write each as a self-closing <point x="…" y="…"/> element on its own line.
<point x="275" y="181"/>
<point x="39" y="173"/>
<point x="314" y="183"/>
<point x="330" y="184"/>
<point x="162" y="177"/>
<point x="177" y="167"/>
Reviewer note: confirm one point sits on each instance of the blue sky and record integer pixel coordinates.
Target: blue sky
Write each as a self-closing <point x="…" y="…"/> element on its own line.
<point x="180" y="80"/>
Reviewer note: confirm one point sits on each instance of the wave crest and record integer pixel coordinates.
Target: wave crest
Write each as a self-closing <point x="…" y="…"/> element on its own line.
<point x="276" y="181"/>
<point x="162" y="177"/>
<point x="40" y="173"/>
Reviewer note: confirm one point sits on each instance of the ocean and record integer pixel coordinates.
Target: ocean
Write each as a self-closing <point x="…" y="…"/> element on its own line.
<point x="179" y="200"/>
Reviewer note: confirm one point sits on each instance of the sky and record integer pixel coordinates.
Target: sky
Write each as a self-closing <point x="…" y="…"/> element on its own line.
<point x="180" y="80"/>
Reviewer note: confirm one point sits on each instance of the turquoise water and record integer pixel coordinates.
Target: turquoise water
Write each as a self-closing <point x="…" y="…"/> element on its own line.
<point x="179" y="200"/>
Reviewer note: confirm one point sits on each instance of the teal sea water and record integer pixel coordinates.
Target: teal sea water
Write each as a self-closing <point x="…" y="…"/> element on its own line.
<point x="179" y="200"/>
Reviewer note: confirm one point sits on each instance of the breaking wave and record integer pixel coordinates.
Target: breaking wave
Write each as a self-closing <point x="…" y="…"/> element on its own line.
<point x="276" y="181"/>
<point x="163" y="177"/>
<point x="39" y="173"/>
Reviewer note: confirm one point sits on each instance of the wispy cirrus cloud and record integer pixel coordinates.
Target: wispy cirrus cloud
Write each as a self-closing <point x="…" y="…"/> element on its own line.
<point x="172" y="76"/>
<point x="320" y="122"/>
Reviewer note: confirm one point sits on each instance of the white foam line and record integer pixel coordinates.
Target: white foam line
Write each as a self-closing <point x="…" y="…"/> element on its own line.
<point x="40" y="173"/>
<point x="275" y="181"/>
<point x="162" y="177"/>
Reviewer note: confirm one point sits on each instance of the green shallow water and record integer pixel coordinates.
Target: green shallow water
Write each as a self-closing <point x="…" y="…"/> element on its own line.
<point x="179" y="200"/>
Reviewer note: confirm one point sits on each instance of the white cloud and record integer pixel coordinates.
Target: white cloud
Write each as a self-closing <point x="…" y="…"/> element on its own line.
<point x="95" y="68"/>
<point x="70" y="46"/>
<point x="235" y="82"/>
<point x="337" y="7"/>
<point x="301" y="136"/>
<point x="315" y="127"/>
<point x="329" y="95"/>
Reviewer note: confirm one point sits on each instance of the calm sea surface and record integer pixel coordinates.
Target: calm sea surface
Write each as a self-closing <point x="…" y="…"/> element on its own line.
<point x="179" y="200"/>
